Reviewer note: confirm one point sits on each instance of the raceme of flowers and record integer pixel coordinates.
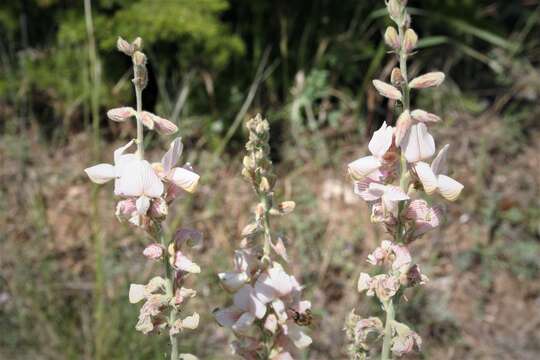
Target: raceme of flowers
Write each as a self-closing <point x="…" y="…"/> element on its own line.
<point x="267" y="314"/>
<point x="145" y="191"/>
<point x="401" y="186"/>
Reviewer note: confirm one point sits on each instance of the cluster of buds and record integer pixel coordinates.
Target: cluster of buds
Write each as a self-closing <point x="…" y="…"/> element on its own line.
<point x="396" y="181"/>
<point x="267" y="314"/>
<point x="145" y="191"/>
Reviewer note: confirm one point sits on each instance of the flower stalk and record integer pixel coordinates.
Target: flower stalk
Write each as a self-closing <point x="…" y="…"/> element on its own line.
<point x="383" y="179"/>
<point x="146" y="191"/>
<point x="267" y="314"/>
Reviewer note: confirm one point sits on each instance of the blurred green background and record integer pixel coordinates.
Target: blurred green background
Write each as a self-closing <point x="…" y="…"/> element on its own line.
<point x="66" y="263"/>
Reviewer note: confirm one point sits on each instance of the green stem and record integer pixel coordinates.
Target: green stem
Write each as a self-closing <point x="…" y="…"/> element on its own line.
<point x="171" y="290"/>
<point x="140" y="132"/>
<point x="390" y="316"/>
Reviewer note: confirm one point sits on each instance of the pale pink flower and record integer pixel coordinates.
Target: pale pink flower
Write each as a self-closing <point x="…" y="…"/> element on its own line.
<point x="189" y="322"/>
<point x="364" y="282"/>
<point x="181" y="262"/>
<point x="433" y="177"/>
<point x="413" y="277"/>
<point x="427" y="80"/>
<point x="424" y="216"/>
<point x="245" y="263"/>
<point x="367" y="331"/>
<point x="424" y="116"/>
<point x="381" y="254"/>
<point x="384" y="286"/>
<point x="402" y="258"/>
<point x="387" y="90"/>
<point x="379" y="145"/>
<point x="179" y="176"/>
<point x="389" y="195"/>
<point x="182" y="294"/>
<point x="418" y="144"/>
<point x="138" y="292"/>
<point x="153" y="251"/>
<point x="245" y="310"/>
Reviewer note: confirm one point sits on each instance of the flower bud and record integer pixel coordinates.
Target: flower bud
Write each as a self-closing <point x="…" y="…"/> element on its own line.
<point x="124" y="47"/>
<point x="391" y="38"/>
<point x="410" y="40"/>
<point x="264" y="185"/>
<point x="137" y="44"/>
<point x="164" y="126"/>
<point x="139" y="58"/>
<point x="153" y="251"/>
<point x="427" y="80"/>
<point x="250" y="230"/>
<point x="396" y="78"/>
<point x="403" y="124"/>
<point x="387" y="90"/>
<point x="395" y="9"/>
<point x="286" y="207"/>
<point x="126" y="208"/>
<point x="121" y="114"/>
<point x="424" y="116"/>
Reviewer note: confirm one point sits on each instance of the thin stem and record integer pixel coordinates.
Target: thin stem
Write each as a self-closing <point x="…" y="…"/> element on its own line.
<point x="171" y="288"/>
<point x="173" y="338"/>
<point x="140" y="132"/>
<point x="390" y="316"/>
<point x="266" y="224"/>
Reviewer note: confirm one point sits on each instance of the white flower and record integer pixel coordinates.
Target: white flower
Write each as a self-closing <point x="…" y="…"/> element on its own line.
<point x="379" y="144"/>
<point x="418" y="144"/>
<point x="433" y="177"/>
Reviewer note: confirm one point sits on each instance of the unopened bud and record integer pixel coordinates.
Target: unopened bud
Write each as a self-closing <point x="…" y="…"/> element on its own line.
<point x="427" y="80"/>
<point x="248" y="162"/>
<point x="153" y="251"/>
<point x="286" y="207"/>
<point x="396" y="78"/>
<point x="410" y="40"/>
<point x="264" y="185"/>
<point x="403" y="124"/>
<point x="137" y="44"/>
<point x="395" y="9"/>
<point x="121" y="114"/>
<point x="139" y="58"/>
<point x="387" y="90"/>
<point x="124" y="47"/>
<point x="391" y="38"/>
<point x="164" y="126"/>
<point x="424" y="116"/>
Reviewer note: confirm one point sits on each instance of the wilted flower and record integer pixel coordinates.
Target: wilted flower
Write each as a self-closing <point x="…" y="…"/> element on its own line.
<point x="425" y="217"/>
<point x="405" y="341"/>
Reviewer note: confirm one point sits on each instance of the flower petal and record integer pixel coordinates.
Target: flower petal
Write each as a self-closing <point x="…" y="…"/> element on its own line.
<point x="118" y="153"/>
<point x="298" y="337"/>
<point x="171" y="157"/>
<point x="387" y="90"/>
<point x="184" y="178"/>
<point x="137" y="293"/>
<point x="228" y="316"/>
<point x="449" y="188"/>
<point x="403" y="125"/>
<point x="142" y="204"/>
<point x="381" y="141"/>
<point x="233" y="281"/>
<point x="364" y="166"/>
<point x="426" y="176"/>
<point x="191" y="322"/>
<point x="419" y="144"/>
<point x="438" y="165"/>
<point x="243" y="323"/>
<point x="101" y="173"/>
<point x="424" y="116"/>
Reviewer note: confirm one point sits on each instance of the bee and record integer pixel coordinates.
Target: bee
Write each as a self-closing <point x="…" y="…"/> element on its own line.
<point x="302" y="319"/>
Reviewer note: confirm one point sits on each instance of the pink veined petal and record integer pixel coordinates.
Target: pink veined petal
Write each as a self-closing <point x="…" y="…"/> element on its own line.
<point x="426" y="176"/>
<point x="449" y="188"/>
<point x="394" y="193"/>
<point x="171" y="157"/>
<point x="151" y="183"/>
<point x="184" y="178"/>
<point x="183" y="263"/>
<point x="438" y="165"/>
<point x="364" y="166"/>
<point x="297" y="336"/>
<point x="381" y="141"/>
<point x="228" y="316"/>
<point x="142" y="204"/>
<point x="243" y="323"/>
<point x="246" y="300"/>
<point x="147" y="119"/>
<point x="101" y="173"/>
<point x="419" y="143"/>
